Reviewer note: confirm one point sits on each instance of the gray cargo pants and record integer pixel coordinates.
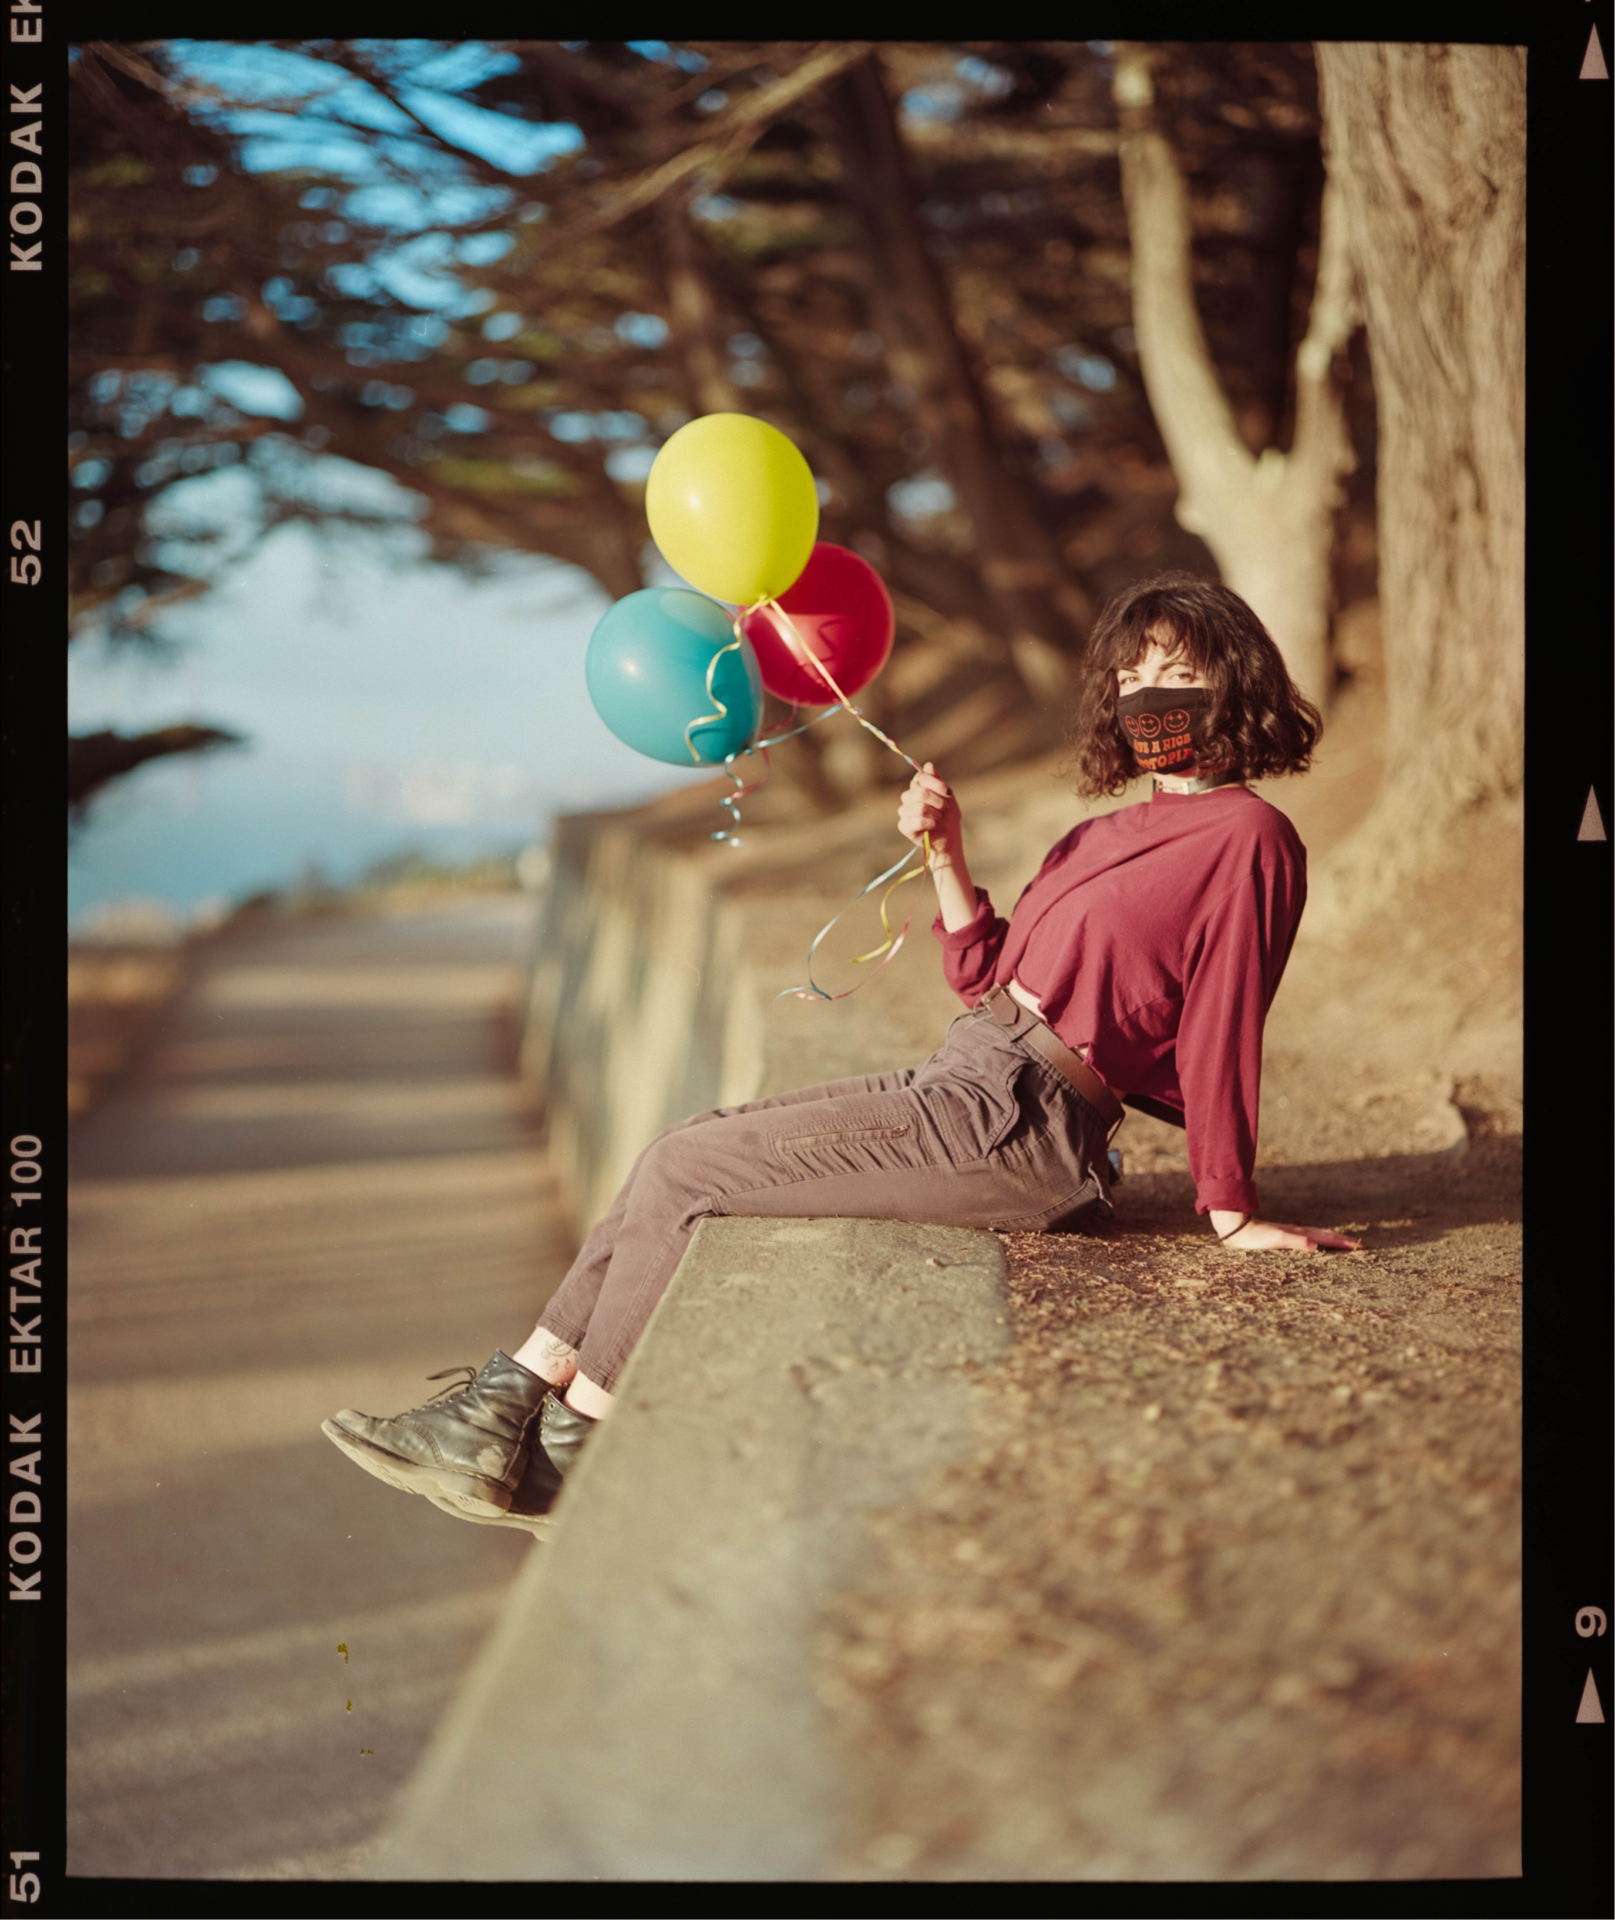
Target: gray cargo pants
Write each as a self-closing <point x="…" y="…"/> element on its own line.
<point x="986" y="1133"/>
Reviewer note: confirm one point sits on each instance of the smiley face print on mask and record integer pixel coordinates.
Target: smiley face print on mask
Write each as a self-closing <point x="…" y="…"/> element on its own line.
<point x="1166" y="725"/>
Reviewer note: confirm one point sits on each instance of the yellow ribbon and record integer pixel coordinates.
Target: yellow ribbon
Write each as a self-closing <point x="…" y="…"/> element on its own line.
<point x="719" y="710"/>
<point x="808" y="658"/>
<point x="813" y="991"/>
<point x="891" y="945"/>
<point x="893" y="942"/>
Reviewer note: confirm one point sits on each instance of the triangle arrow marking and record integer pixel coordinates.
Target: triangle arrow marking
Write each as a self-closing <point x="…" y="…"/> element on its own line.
<point x="1593" y="66"/>
<point x="1591" y="1707"/>
<point x="1592" y="821"/>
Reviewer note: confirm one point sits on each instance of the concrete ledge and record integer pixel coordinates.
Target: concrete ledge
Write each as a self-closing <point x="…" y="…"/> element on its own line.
<point x="645" y="1709"/>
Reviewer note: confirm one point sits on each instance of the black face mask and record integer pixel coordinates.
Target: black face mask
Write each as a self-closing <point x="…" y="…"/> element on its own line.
<point x="1166" y="725"/>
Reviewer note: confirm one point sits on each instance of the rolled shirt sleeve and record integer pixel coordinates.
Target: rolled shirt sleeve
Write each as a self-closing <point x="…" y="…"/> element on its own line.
<point x="970" y="953"/>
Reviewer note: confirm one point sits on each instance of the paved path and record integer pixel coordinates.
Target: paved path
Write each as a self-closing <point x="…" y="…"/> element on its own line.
<point x="323" y="1185"/>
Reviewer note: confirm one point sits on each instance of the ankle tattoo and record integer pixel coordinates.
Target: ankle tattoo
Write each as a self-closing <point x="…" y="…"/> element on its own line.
<point x="555" y="1357"/>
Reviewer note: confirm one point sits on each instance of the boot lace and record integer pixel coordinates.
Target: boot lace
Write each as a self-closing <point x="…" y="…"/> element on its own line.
<point x="447" y="1393"/>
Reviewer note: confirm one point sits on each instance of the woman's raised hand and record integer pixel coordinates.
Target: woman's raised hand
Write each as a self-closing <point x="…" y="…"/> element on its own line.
<point x="928" y="807"/>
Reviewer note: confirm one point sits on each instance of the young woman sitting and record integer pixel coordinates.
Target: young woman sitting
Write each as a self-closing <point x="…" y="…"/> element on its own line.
<point x="1137" y="966"/>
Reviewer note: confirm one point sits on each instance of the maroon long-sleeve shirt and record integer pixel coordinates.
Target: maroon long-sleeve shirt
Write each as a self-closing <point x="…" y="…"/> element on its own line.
<point x="1156" y="936"/>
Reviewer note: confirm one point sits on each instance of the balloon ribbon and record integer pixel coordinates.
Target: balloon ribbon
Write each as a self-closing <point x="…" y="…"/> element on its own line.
<point x="893" y="942"/>
<point x="782" y="731"/>
<point x="721" y="712"/>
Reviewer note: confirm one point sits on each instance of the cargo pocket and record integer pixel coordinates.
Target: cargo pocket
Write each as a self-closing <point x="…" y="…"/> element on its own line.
<point x="977" y="1114"/>
<point x="850" y="1147"/>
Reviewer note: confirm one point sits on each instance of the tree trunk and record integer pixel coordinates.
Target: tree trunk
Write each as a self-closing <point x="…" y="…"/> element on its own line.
<point x="1268" y="519"/>
<point x="1042" y="611"/>
<point x="1427" y="145"/>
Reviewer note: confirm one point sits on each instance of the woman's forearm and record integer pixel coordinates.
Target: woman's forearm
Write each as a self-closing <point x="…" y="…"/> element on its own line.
<point x="955" y="890"/>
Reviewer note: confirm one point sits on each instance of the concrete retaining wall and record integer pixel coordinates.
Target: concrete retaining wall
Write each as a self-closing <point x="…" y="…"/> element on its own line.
<point x="661" y="956"/>
<point x="659" y="963"/>
<point x="641" y="1009"/>
<point x="646" y="1709"/>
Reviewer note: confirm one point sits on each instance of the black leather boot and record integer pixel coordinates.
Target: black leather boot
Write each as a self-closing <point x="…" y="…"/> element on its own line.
<point x="554" y="1448"/>
<point x="468" y="1446"/>
<point x="562" y="1431"/>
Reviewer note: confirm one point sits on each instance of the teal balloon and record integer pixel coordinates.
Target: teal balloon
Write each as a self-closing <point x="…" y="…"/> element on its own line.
<point x="646" y="671"/>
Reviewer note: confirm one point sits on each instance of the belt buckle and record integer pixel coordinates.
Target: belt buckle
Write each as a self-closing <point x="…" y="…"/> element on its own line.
<point x="1002" y="1005"/>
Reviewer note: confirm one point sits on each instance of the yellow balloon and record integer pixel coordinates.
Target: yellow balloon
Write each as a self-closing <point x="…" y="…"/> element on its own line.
<point x="733" y="507"/>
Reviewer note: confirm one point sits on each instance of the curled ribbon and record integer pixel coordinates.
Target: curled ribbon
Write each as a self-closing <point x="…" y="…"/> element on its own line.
<point x="782" y="731"/>
<point x="719" y="710"/>
<point x="893" y="942"/>
<point x="890" y="946"/>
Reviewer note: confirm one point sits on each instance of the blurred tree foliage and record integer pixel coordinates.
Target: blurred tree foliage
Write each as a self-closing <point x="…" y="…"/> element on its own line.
<point x="913" y="258"/>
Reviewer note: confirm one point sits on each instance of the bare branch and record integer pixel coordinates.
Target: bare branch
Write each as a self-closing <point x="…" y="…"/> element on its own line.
<point x="1268" y="519"/>
<point x="1191" y="409"/>
<point x="179" y="93"/>
<point x="350" y="60"/>
<point x="737" y="131"/>
<point x="1335" y="316"/>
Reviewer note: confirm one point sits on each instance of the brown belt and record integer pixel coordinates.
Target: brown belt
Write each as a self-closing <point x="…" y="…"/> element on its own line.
<point x="1005" y="1008"/>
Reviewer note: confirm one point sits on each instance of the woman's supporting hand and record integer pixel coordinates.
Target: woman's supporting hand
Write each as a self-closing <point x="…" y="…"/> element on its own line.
<point x="928" y="807"/>
<point x="1267" y="1236"/>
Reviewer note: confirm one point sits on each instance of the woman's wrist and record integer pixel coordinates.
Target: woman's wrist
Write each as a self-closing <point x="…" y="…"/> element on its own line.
<point x="955" y="895"/>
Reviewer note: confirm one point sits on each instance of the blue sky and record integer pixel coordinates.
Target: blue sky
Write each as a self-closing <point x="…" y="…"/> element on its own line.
<point x="303" y="112"/>
<point x="389" y="703"/>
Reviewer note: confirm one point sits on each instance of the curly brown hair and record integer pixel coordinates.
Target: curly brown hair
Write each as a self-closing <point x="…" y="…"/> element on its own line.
<point x="1259" y="721"/>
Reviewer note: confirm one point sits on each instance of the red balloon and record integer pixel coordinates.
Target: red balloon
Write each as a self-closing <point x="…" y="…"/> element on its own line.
<point x="843" y="615"/>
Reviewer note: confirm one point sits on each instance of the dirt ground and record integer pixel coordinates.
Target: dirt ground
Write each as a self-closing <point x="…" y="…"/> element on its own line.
<point x="1231" y="1589"/>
